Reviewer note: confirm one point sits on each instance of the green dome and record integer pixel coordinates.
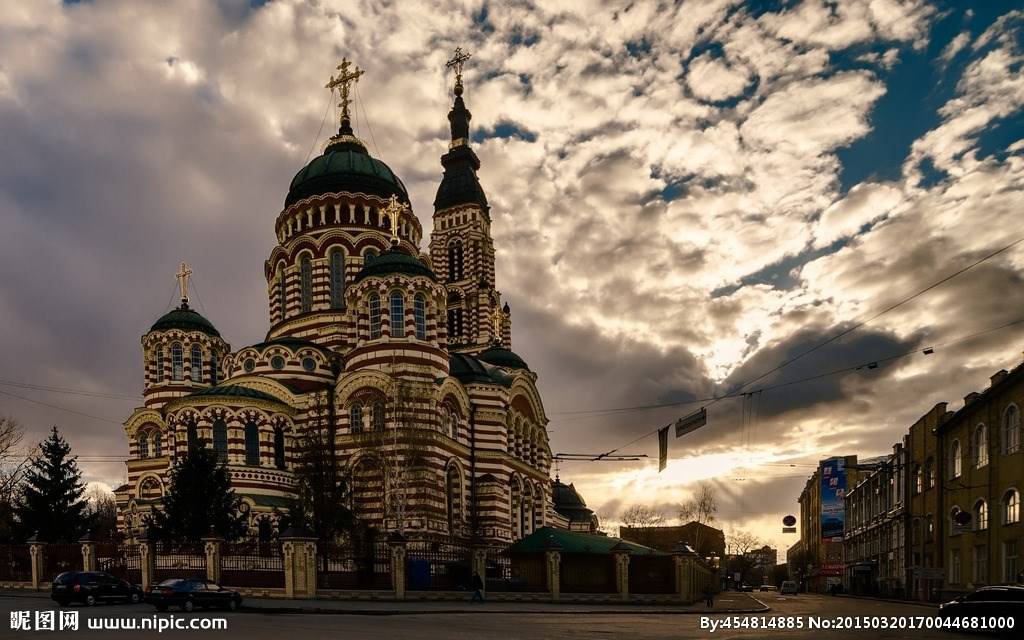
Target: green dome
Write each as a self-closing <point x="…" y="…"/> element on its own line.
<point x="345" y="165"/>
<point x="185" y="319"/>
<point x="235" y="391"/>
<point x="502" y="357"/>
<point x="395" y="261"/>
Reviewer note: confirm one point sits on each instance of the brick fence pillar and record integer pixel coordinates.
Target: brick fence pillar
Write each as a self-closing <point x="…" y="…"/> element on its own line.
<point x="298" y="545"/>
<point x="147" y="558"/>
<point x="478" y="560"/>
<point x="88" y="553"/>
<point x="553" y="567"/>
<point x="397" y="543"/>
<point x="36" y="549"/>
<point x="211" y="547"/>
<point x="620" y="554"/>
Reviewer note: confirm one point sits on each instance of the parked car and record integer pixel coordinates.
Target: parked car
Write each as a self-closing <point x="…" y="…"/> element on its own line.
<point x="92" y="587"/>
<point x="767" y="587"/>
<point x="190" y="594"/>
<point x="745" y="587"/>
<point x="1001" y="601"/>
<point x="788" y="588"/>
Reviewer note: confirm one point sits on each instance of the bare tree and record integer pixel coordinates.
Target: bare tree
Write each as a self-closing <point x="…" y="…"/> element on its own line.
<point x="399" y="458"/>
<point x="741" y="542"/>
<point x="101" y="513"/>
<point x="702" y="508"/>
<point x="12" y="460"/>
<point x="642" y="519"/>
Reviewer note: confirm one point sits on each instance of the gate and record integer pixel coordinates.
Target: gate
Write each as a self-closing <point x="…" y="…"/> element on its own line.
<point x="252" y="563"/>
<point x="58" y="558"/>
<point x="15" y="563"/>
<point x="652" y="574"/>
<point x="352" y="566"/>
<point x="587" y="573"/>
<point x="120" y="559"/>
<point x="438" y="566"/>
<point x="182" y="560"/>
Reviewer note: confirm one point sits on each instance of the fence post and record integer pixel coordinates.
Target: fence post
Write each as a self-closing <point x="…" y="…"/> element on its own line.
<point x="620" y="554"/>
<point x="211" y="546"/>
<point x="397" y="542"/>
<point x="478" y="561"/>
<point x="36" y="551"/>
<point x="298" y="545"/>
<point x="147" y="558"/>
<point x="552" y="564"/>
<point x="88" y="552"/>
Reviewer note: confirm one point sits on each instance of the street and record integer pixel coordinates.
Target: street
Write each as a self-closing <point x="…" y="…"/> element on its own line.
<point x="564" y="621"/>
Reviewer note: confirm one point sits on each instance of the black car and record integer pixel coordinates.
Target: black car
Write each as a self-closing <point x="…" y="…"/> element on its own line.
<point x="91" y="587"/>
<point x="188" y="594"/>
<point x="989" y="602"/>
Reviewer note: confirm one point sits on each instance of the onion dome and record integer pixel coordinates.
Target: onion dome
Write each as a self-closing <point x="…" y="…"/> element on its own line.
<point x="502" y="357"/>
<point x="460" y="184"/>
<point x="392" y="261"/>
<point x="345" y="165"/>
<point x="185" y="319"/>
<point x="569" y="503"/>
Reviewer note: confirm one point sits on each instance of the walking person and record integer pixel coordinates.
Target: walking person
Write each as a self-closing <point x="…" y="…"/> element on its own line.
<point x="478" y="589"/>
<point x="709" y="597"/>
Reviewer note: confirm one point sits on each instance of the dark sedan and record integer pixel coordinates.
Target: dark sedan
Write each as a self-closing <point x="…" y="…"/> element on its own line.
<point x="989" y="603"/>
<point x="92" y="587"/>
<point x="191" y="594"/>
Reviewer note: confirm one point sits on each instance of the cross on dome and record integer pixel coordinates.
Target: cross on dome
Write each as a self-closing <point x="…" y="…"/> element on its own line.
<point x="458" y="59"/>
<point x="393" y="211"/>
<point x="184" y="272"/>
<point x="344" y="83"/>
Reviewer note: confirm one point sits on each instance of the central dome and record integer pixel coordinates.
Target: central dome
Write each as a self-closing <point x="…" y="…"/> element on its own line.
<point x="345" y="165"/>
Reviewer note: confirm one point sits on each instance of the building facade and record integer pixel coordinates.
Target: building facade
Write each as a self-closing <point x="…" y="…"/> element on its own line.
<point x="707" y="541"/>
<point x="398" y="361"/>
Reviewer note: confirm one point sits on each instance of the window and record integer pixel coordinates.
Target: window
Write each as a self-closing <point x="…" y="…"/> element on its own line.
<point x="1011" y="507"/>
<point x="378" y="416"/>
<point x="1011" y="429"/>
<point x="213" y="369"/>
<point x="252" y="444"/>
<point x="157" y="440"/>
<point x="306" y="280"/>
<point x="220" y="439"/>
<point x="980" y="515"/>
<point x="953" y="524"/>
<point x="454" y="324"/>
<point x="277" y="363"/>
<point x="929" y="528"/>
<point x="282" y="292"/>
<point x="249" y="365"/>
<point x="355" y="418"/>
<point x="369" y="255"/>
<point x="337" y="279"/>
<point x="196" y="364"/>
<point x="419" y="310"/>
<point x="279" y="448"/>
<point x="397" y="317"/>
<point x="453" y="424"/>
<point x="918" y="479"/>
<point x="309" y="364"/>
<point x="143" y="445"/>
<point x="374" y="316"/>
<point x="980" y="445"/>
<point x="455" y="270"/>
<point x="177" y="365"/>
<point x="979" y="564"/>
<point x="191" y="435"/>
<point x="1010" y="561"/>
<point x="929" y="472"/>
<point x="954" y="460"/>
<point x="954" y="567"/>
<point x="159" y="357"/>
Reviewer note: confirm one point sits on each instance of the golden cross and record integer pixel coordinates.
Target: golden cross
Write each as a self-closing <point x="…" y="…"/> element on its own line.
<point x="456" y="63"/>
<point x="499" y="318"/>
<point x="344" y="80"/>
<point x="394" y="211"/>
<point x="183" y="274"/>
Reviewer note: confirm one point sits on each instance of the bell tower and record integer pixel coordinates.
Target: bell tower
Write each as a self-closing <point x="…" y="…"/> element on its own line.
<point x="461" y="249"/>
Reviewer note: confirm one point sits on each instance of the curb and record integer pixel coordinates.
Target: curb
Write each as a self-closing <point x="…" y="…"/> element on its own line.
<point x="892" y="600"/>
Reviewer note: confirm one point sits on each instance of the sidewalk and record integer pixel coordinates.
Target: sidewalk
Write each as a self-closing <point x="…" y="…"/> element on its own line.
<point x="898" y="600"/>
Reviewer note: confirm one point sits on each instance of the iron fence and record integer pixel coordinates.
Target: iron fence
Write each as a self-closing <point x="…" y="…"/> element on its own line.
<point x="523" y="573"/>
<point x="652" y="574"/>
<point x="179" y="560"/>
<point x="58" y="558"/>
<point x="438" y="566"/>
<point x="15" y="563"/>
<point x="120" y="559"/>
<point x="252" y="563"/>
<point x="353" y="566"/>
<point x="587" y="573"/>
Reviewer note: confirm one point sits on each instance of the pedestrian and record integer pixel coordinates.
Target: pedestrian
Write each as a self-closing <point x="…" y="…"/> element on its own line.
<point x="478" y="589"/>
<point x="709" y="597"/>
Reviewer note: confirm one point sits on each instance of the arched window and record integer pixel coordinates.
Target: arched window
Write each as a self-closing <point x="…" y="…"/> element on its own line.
<point x="453" y="489"/>
<point x="918" y="479"/>
<point x="929" y="473"/>
<point x="306" y="274"/>
<point x="953" y="513"/>
<point x="159" y="357"/>
<point x="282" y="292"/>
<point x="191" y="435"/>
<point x="355" y="418"/>
<point x="374" y="316"/>
<point x="369" y="254"/>
<point x="1011" y="429"/>
<point x="279" y="447"/>
<point x="252" y="444"/>
<point x="419" y="310"/>
<point x="196" y="364"/>
<point x="454" y="325"/>
<point x="455" y="265"/>
<point x="955" y="460"/>
<point x="378" y="416"/>
<point x="980" y="515"/>
<point x="143" y="445"/>
<point x="453" y="424"/>
<point x="220" y="439"/>
<point x="980" y="445"/>
<point x="177" y="364"/>
<point x="157" y="441"/>
<point x="337" y="279"/>
<point x="397" y="315"/>
<point x="213" y="369"/>
<point x="1011" y="507"/>
<point x="264" y="530"/>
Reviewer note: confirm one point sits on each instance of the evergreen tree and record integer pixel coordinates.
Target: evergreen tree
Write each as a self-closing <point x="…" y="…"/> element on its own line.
<point x="50" y="501"/>
<point x="200" y="500"/>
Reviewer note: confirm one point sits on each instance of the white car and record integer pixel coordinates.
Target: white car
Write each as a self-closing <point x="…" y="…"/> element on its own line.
<point x="788" y="587"/>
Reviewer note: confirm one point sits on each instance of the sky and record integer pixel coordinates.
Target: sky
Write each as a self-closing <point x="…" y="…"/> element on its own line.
<point x="684" y="195"/>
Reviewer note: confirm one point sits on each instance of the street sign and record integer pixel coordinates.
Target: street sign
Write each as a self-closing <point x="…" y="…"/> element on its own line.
<point x="662" y="449"/>
<point x="788" y="529"/>
<point x="789" y="521"/>
<point x="691" y="422"/>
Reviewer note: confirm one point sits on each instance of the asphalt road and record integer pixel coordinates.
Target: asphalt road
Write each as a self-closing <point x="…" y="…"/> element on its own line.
<point x="481" y="626"/>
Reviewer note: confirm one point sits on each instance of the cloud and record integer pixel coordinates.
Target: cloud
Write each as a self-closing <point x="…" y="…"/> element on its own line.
<point x="865" y="203"/>
<point x="714" y="80"/>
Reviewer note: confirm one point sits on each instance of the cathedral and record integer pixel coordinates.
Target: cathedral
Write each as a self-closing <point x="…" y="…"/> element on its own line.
<point x="403" y="357"/>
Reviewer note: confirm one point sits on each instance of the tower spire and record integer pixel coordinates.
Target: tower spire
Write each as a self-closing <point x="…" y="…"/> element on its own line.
<point x="459" y="116"/>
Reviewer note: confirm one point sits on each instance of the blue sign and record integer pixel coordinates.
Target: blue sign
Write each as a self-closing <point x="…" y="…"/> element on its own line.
<point x="833" y="494"/>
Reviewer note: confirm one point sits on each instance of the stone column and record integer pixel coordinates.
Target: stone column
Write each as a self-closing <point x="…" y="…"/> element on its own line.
<point x="36" y="549"/>
<point x="88" y="553"/>
<point x="211" y="546"/>
<point x="620" y="554"/>
<point x="680" y="576"/>
<point x="553" y="566"/>
<point x="397" y="542"/>
<point x="298" y="545"/>
<point x="147" y="558"/>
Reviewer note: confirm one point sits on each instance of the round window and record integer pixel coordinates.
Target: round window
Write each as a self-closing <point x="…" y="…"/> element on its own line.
<point x="277" y="362"/>
<point x="309" y="364"/>
<point x="249" y="365"/>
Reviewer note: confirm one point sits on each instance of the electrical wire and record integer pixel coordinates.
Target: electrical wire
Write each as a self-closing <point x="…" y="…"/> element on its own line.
<point x="330" y="101"/>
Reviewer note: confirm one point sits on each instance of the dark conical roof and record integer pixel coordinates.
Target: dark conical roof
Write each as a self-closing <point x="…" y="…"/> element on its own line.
<point x="185" y="319"/>
<point x="392" y="261"/>
<point x="501" y="357"/>
<point x="460" y="184"/>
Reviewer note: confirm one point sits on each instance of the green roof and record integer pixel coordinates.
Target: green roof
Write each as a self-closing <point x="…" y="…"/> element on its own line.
<point x="575" y="542"/>
<point x="345" y="166"/>
<point x="395" y="261"/>
<point x="502" y="357"/>
<point x="235" y="391"/>
<point x="185" y="319"/>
